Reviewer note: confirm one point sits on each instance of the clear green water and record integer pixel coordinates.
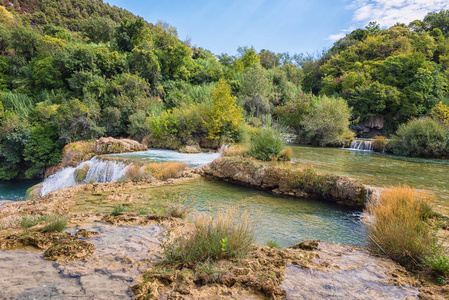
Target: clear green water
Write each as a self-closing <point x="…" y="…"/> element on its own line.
<point x="284" y="220"/>
<point x="287" y="221"/>
<point x="16" y="189"/>
<point x="380" y="170"/>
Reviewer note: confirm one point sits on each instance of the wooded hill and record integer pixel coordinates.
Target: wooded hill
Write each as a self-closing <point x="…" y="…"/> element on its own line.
<point x="73" y="70"/>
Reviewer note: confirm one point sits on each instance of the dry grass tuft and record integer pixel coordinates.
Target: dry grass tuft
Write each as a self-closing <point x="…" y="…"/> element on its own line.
<point x="165" y="170"/>
<point x="229" y="234"/>
<point x="397" y="225"/>
<point x="235" y="150"/>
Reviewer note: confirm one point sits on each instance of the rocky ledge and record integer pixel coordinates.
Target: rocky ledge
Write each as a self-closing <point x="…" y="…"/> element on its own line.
<point x="301" y="182"/>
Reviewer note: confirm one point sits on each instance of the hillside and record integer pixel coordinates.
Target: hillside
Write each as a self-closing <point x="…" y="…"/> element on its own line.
<point x="75" y="70"/>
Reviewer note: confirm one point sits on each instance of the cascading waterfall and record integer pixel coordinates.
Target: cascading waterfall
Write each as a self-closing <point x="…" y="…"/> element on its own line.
<point x="111" y="170"/>
<point x="361" y="145"/>
<point x="99" y="171"/>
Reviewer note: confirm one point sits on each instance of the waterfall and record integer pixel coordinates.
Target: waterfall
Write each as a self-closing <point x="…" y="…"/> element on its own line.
<point x="99" y="171"/>
<point x="361" y="146"/>
<point x="222" y="148"/>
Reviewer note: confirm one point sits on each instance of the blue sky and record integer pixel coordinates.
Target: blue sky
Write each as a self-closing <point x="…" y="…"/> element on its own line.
<point x="293" y="26"/>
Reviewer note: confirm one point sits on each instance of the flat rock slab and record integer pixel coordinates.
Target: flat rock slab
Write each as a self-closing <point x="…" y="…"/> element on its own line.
<point x="121" y="254"/>
<point x="346" y="272"/>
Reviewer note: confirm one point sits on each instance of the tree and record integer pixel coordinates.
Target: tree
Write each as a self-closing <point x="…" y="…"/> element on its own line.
<point x="225" y="113"/>
<point x="14" y="135"/>
<point x="98" y="29"/>
<point x="255" y="91"/>
<point x="131" y="34"/>
<point x="42" y="150"/>
<point x="438" y="20"/>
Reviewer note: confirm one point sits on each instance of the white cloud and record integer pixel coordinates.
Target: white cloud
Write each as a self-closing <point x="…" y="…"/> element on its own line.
<point x="389" y="12"/>
<point x="336" y="37"/>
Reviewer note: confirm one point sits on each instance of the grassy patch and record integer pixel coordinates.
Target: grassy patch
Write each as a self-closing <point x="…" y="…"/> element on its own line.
<point x="226" y="235"/>
<point x="273" y="244"/>
<point x="55" y="224"/>
<point x="118" y="209"/>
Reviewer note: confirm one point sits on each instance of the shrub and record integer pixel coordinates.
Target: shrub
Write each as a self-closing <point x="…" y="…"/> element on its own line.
<point x="421" y="137"/>
<point x="286" y="154"/>
<point x="327" y="124"/>
<point x="397" y="225"/>
<point x="224" y="235"/>
<point x="378" y="145"/>
<point x="135" y="173"/>
<point x="267" y="144"/>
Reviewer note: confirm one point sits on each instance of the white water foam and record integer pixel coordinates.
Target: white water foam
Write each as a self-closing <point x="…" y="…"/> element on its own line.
<point x="99" y="171"/>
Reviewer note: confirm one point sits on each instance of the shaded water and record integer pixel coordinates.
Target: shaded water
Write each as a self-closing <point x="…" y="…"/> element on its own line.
<point x="380" y="170"/>
<point x="284" y="220"/>
<point x="15" y="189"/>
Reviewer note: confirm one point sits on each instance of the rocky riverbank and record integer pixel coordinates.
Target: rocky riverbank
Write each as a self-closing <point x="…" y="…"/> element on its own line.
<point x="124" y="260"/>
<point x="300" y="182"/>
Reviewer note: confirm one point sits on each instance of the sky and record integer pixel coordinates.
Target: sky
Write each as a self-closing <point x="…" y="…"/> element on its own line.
<point x="294" y="26"/>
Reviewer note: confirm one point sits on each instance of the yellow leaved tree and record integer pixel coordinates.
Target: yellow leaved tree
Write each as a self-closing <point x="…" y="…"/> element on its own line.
<point x="225" y="114"/>
<point x="441" y="113"/>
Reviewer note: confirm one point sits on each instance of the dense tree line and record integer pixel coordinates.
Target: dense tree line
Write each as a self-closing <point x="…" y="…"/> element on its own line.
<point x="73" y="70"/>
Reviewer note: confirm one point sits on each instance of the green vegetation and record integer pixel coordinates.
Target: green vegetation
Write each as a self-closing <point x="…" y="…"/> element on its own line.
<point x="399" y="227"/>
<point x="421" y="137"/>
<point x="267" y="144"/>
<point x="78" y="70"/>
<point x="118" y="209"/>
<point x="51" y="223"/>
<point x="273" y="244"/>
<point x="226" y="235"/>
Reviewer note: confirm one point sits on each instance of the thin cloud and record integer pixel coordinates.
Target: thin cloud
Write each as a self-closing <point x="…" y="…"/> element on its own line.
<point x="389" y="12"/>
<point x="336" y="37"/>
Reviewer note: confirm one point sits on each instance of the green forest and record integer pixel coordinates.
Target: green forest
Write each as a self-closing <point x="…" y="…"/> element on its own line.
<point x="75" y="70"/>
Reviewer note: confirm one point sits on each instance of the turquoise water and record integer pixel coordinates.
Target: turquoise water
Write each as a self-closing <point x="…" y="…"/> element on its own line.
<point x="287" y="221"/>
<point x="16" y="189"/>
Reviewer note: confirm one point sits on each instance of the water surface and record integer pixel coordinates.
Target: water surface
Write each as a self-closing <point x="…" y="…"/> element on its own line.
<point x="15" y="189"/>
<point x="194" y="160"/>
<point x="287" y="221"/>
<point x="381" y="170"/>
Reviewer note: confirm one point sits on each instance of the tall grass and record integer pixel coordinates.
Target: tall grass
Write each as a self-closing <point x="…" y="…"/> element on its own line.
<point x="226" y="235"/>
<point x="18" y="103"/>
<point x="397" y="226"/>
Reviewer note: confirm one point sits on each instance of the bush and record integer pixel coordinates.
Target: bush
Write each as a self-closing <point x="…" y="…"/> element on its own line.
<point x="421" y="137"/>
<point x="378" y="145"/>
<point x="327" y="124"/>
<point x="397" y="226"/>
<point x="214" y="237"/>
<point x="267" y="144"/>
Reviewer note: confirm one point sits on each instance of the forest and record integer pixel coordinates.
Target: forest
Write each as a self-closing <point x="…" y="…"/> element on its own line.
<point x="75" y="70"/>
